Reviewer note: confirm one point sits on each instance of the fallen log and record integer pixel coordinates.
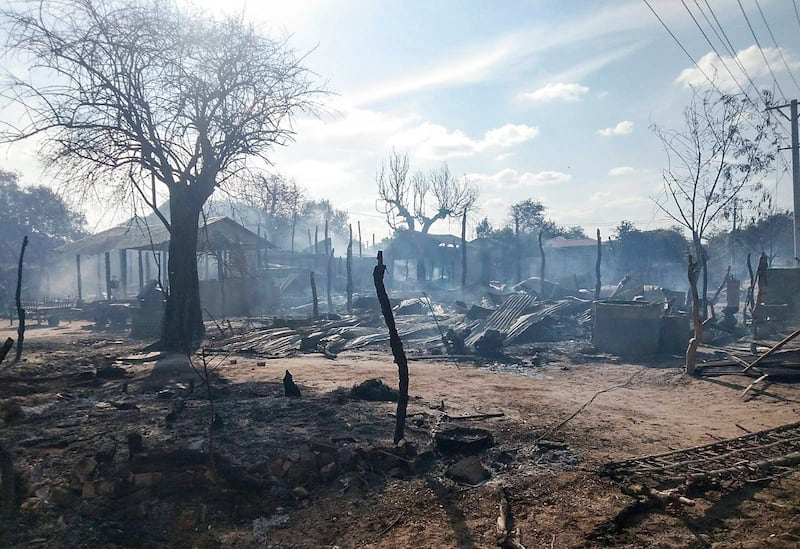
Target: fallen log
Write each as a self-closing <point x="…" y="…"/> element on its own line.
<point x="506" y="538"/>
<point x="662" y="498"/>
<point x="476" y="416"/>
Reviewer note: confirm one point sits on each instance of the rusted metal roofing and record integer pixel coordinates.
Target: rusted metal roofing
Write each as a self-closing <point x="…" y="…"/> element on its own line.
<point x="218" y="233"/>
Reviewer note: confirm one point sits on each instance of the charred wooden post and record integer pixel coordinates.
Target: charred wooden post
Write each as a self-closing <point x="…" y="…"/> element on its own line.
<point x="294" y="226"/>
<point x="691" y="351"/>
<point x="316" y="240"/>
<point x="597" y="265"/>
<point x="140" y="271"/>
<point x="330" y="281"/>
<point x="761" y="285"/>
<point x="108" y="275"/>
<point x="259" y="261"/>
<point x="221" y="279"/>
<point x="6" y="348"/>
<point x="359" y="240"/>
<point x="78" y="272"/>
<point x="350" y="272"/>
<point x="314" y="302"/>
<point x="18" y="298"/>
<point x="519" y="250"/>
<point x="464" y="251"/>
<point x="541" y="269"/>
<point x="123" y="273"/>
<point x="397" y="348"/>
<point x="327" y="242"/>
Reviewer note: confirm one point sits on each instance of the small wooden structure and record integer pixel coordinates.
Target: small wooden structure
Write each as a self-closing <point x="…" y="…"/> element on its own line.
<point x="217" y="237"/>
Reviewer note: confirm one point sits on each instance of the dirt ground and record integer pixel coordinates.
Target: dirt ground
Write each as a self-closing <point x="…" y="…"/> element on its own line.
<point x="321" y="471"/>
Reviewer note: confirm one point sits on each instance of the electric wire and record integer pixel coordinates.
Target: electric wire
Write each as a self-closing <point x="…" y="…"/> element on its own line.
<point x="714" y="49"/>
<point x="780" y="53"/>
<point x="796" y="11"/>
<point x="731" y="49"/>
<point x="699" y="68"/>
<point x="713" y="28"/>
<point x="760" y="49"/>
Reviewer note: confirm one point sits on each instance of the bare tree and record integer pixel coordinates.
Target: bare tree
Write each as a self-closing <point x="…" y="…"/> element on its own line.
<point x="719" y="154"/>
<point x="148" y="94"/>
<point x="421" y="199"/>
<point x="277" y="199"/>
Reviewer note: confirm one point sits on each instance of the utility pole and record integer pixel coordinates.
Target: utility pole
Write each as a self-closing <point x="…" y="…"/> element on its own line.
<point x="792" y="118"/>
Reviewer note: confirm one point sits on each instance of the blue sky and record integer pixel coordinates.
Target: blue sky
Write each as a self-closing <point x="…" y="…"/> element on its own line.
<point x="548" y="100"/>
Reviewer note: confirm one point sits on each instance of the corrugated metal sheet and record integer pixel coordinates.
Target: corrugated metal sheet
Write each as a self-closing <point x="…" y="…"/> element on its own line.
<point x="505" y="316"/>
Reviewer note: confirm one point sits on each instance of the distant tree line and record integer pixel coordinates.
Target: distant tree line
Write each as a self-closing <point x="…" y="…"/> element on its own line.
<point x="39" y="213"/>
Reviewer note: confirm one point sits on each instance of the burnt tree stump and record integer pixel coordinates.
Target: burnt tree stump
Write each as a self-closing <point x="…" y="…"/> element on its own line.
<point x="397" y="348"/>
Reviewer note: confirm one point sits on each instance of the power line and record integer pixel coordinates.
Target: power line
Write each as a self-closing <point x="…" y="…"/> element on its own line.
<point x="760" y="49"/>
<point x="713" y="28"/>
<point x="699" y="68"/>
<point x="689" y="55"/>
<point x="796" y="12"/>
<point x="731" y="49"/>
<point x="722" y="60"/>
<point x="769" y="30"/>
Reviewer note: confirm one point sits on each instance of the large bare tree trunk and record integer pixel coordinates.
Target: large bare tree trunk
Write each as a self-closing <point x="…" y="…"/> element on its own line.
<point x="183" y="319"/>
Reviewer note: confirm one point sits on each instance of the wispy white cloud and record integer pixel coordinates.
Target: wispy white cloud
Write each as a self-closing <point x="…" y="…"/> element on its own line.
<point x="490" y="58"/>
<point x="469" y="68"/>
<point x="620" y="171"/>
<point x="436" y="142"/>
<point x="622" y="128"/>
<point x="557" y="91"/>
<point x="749" y="59"/>
<point x="512" y="179"/>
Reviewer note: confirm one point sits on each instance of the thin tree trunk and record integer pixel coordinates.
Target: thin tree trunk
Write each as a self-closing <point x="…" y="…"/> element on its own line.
<point x="350" y="272"/>
<point x="691" y="351"/>
<point x="397" y="349"/>
<point x="542" y="268"/>
<point x="464" y="251"/>
<point x="597" y="266"/>
<point x="18" y="298"/>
